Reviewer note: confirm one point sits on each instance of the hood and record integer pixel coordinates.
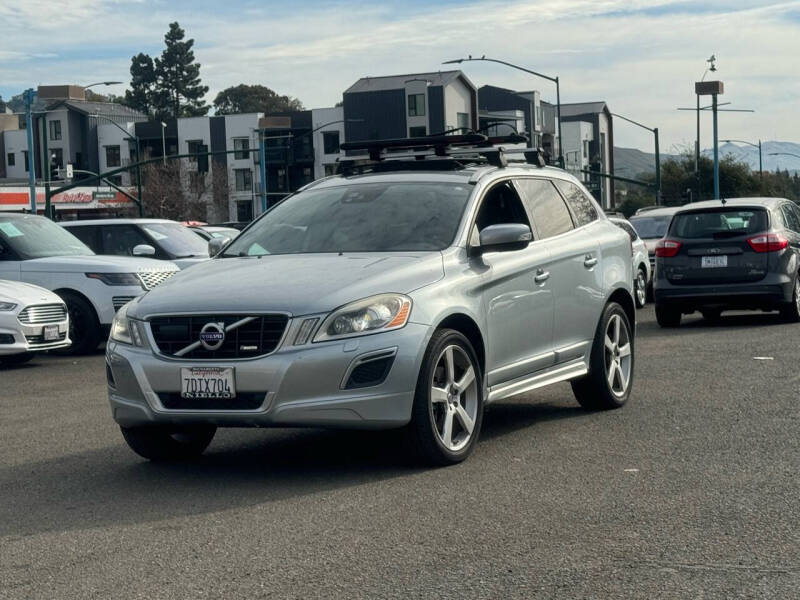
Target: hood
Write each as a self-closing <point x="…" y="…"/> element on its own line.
<point x="26" y="293"/>
<point x="100" y="263"/>
<point x="185" y="263"/>
<point x="299" y="284"/>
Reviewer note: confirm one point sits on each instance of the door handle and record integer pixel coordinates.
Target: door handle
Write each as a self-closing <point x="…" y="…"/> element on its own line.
<point x="541" y="276"/>
<point x="589" y="261"/>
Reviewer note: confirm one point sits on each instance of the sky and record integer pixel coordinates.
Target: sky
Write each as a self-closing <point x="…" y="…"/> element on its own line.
<point x="640" y="56"/>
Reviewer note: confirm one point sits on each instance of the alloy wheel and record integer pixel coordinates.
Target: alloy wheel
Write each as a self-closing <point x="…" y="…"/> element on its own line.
<point x="454" y="398"/>
<point x="617" y="355"/>
<point x="641" y="288"/>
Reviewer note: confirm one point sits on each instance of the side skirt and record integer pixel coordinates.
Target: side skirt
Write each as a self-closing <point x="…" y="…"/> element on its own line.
<point x="564" y="372"/>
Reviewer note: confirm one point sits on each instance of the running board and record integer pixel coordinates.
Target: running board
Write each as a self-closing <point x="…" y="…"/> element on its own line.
<point x="570" y="371"/>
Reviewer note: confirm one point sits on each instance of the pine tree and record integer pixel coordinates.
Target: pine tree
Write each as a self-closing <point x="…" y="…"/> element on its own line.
<point x="179" y="91"/>
<point x="143" y="82"/>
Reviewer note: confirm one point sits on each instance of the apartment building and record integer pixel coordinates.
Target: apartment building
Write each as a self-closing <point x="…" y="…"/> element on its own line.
<point x="597" y="117"/>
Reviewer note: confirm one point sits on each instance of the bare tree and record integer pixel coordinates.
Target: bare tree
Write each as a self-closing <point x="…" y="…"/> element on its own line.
<point x="163" y="194"/>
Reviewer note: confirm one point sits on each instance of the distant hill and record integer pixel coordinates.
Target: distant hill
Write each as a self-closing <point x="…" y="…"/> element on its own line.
<point x="630" y="162"/>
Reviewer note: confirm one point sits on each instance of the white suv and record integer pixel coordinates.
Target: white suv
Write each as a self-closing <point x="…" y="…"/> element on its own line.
<point x="36" y="250"/>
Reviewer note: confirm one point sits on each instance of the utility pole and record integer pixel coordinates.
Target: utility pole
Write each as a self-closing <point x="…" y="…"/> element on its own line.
<point x="716" y="146"/>
<point x="262" y="163"/>
<point x="29" y="96"/>
<point x="658" y="169"/>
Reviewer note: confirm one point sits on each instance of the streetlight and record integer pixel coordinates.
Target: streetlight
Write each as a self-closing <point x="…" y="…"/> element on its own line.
<point x="783" y="154"/>
<point x="86" y="87"/>
<point x="164" y="141"/>
<point x="760" y="164"/>
<point x="138" y="156"/>
<point x="553" y="79"/>
<point x="654" y="131"/>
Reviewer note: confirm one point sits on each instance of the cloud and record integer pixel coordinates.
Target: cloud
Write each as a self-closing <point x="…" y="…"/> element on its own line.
<point x="640" y="56"/>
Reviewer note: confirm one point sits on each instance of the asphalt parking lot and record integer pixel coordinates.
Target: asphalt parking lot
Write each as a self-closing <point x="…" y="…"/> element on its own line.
<point x="690" y="491"/>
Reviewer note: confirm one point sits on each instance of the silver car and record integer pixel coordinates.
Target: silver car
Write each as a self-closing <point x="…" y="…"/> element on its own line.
<point x="407" y="297"/>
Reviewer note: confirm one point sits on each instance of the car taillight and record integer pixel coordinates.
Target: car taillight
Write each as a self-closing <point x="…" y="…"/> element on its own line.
<point x="667" y="248"/>
<point x="768" y="242"/>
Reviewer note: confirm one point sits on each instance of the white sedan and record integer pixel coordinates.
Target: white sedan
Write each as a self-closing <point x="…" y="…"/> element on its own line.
<point x="32" y="319"/>
<point x="642" y="271"/>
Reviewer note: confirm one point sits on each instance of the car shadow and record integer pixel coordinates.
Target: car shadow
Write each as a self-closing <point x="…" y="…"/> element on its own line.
<point x="695" y="322"/>
<point x="111" y="485"/>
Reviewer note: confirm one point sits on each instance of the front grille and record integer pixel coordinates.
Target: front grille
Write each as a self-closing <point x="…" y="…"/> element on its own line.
<point x="43" y="313"/>
<point x="255" y="338"/>
<point x="151" y="279"/>
<point x="120" y="301"/>
<point x="39" y="339"/>
<point x="242" y="401"/>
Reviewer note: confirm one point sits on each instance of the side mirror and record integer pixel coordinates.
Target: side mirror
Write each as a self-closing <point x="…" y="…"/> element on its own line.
<point x="144" y="250"/>
<point x="504" y="237"/>
<point x="215" y="245"/>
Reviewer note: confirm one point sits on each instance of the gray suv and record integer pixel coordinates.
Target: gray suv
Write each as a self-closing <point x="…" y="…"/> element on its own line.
<point x="732" y="254"/>
<point x="409" y="294"/>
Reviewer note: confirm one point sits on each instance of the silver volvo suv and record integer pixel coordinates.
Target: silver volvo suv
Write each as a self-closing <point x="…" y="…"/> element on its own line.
<point x="402" y="295"/>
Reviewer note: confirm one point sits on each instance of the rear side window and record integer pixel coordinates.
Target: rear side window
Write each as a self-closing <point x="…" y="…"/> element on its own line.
<point x="719" y="223"/>
<point x="582" y="208"/>
<point x="545" y="206"/>
<point x="791" y="217"/>
<point x="627" y="228"/>
<point x="87" y="234"/>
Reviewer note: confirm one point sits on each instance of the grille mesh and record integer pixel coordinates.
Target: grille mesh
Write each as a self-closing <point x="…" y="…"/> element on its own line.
<point x="120" y="301"/>
<point x="151" y="279"/>
<point x="43" y="313"/>
<point x="256" y="338"/>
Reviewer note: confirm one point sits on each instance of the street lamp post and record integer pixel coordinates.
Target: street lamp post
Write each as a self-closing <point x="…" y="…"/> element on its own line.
<point x="164" y="141"/>
<point x="654" y="131"/>
<point x="138" y="158"/>
<point x="783" y="154"/>
<point x="29" y="96"/>
<point x="760" y="163"/>
<point x="549" y="78"/>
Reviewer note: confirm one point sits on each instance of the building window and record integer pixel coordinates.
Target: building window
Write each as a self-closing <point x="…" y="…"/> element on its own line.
<point x="417" y="131"/>
<point x="55" y="130"/>
<point x="330" y="142"/>
<point x="112" y="156"/>
<point x="330" y="170"/>
<point x="12" y="159"/>
<point x="585" y="148"/>
<point x="463" y="121"/>
<point x="241" y="145"/>
<point x="244" y="180"/>
<point x="115" y="179"/>
<point x="25" y="156"/>
<point x="194" y="147"/>
<point x="308" y="177"/>
<point x="244" y="211"/>
<point x="416" y="105"/>
<point x="281" y="179"/>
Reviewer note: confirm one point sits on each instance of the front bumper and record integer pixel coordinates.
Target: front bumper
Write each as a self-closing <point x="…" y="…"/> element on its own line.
<point x="301" y="385"/>
<point x="27" y="338"/>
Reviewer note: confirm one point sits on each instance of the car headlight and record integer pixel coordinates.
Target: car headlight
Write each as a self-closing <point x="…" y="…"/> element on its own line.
<point x="370" y="315"/>
<point x="117" y="278"/>
<point x="125" y="330"/>
<point x="7" y="306"/>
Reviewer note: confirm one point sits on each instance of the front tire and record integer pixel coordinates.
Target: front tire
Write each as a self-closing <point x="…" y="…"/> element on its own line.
<point x="667" y="317"/>
<point x="640" y="287"/>
<point x="84" y="327"/>
<point x="448" y="402"/>
<point x="608" y="384"/>
<point x="169" y="443"/>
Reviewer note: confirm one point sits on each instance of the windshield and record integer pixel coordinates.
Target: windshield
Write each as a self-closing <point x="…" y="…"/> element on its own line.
<point x="719" y="223"/>
<point x="32" y="236"/>
<point x="368" y="217"/>
<point x="650" y="228"/>
<point x="176" y="239"/>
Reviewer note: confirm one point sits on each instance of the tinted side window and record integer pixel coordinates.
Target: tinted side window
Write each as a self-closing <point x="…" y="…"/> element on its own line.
<point x="791" y="217"/>
<point x="546" y="207"/>
<point x="581" y="206"/>
<point x="88" y="235"/>
<point x="121" y="239"/>
<point x="500" y="205"/>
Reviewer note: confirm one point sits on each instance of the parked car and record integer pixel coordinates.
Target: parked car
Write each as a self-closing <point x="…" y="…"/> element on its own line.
<point x="641" y="262"/>
<point x="36" y="250"/>
<point x="651" y="225"/>
<point x="731" y="254"/>
<point x="209" y="232"/>
<point x="156" y="238"/>
<point x="32" y="319"/>
<point x="391" y="299"/>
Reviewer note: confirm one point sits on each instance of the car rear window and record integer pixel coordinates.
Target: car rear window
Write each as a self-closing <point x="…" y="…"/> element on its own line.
<point x="652" y="227"/>
<point x="719" y="223"/>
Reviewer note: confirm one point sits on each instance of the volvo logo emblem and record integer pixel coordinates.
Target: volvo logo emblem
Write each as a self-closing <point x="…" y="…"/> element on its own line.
<point x="212" y="336"/>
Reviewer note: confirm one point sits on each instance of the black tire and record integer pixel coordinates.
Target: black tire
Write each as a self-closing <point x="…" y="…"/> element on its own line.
<point x="158" y="443"/>
<point x="423" y="430"/>
<point x="667" y="316"/>
<point x="17" y="359"/>
<point x="791" y="312"/>
<point x="712" y="315"/>
<point x="640" y="287"/>
<point x="84" y="327"/>
<point x="593" y="391"/>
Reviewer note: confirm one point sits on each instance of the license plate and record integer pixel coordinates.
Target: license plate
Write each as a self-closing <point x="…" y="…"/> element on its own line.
<point x="50" y="333"/>
<point x="713" y="262"/>
<point x="207" y="382"/>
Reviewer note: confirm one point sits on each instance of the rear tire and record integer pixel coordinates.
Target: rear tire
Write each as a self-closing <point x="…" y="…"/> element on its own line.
<point x="791" y="312"/>
<point x="640" y="287"/>
<point x="447" y="413"/>
<point x="84" y="327"/>
<point x="169" y="443"/>
<point x="667" y="317"/>
<point x="608" y="384"/>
